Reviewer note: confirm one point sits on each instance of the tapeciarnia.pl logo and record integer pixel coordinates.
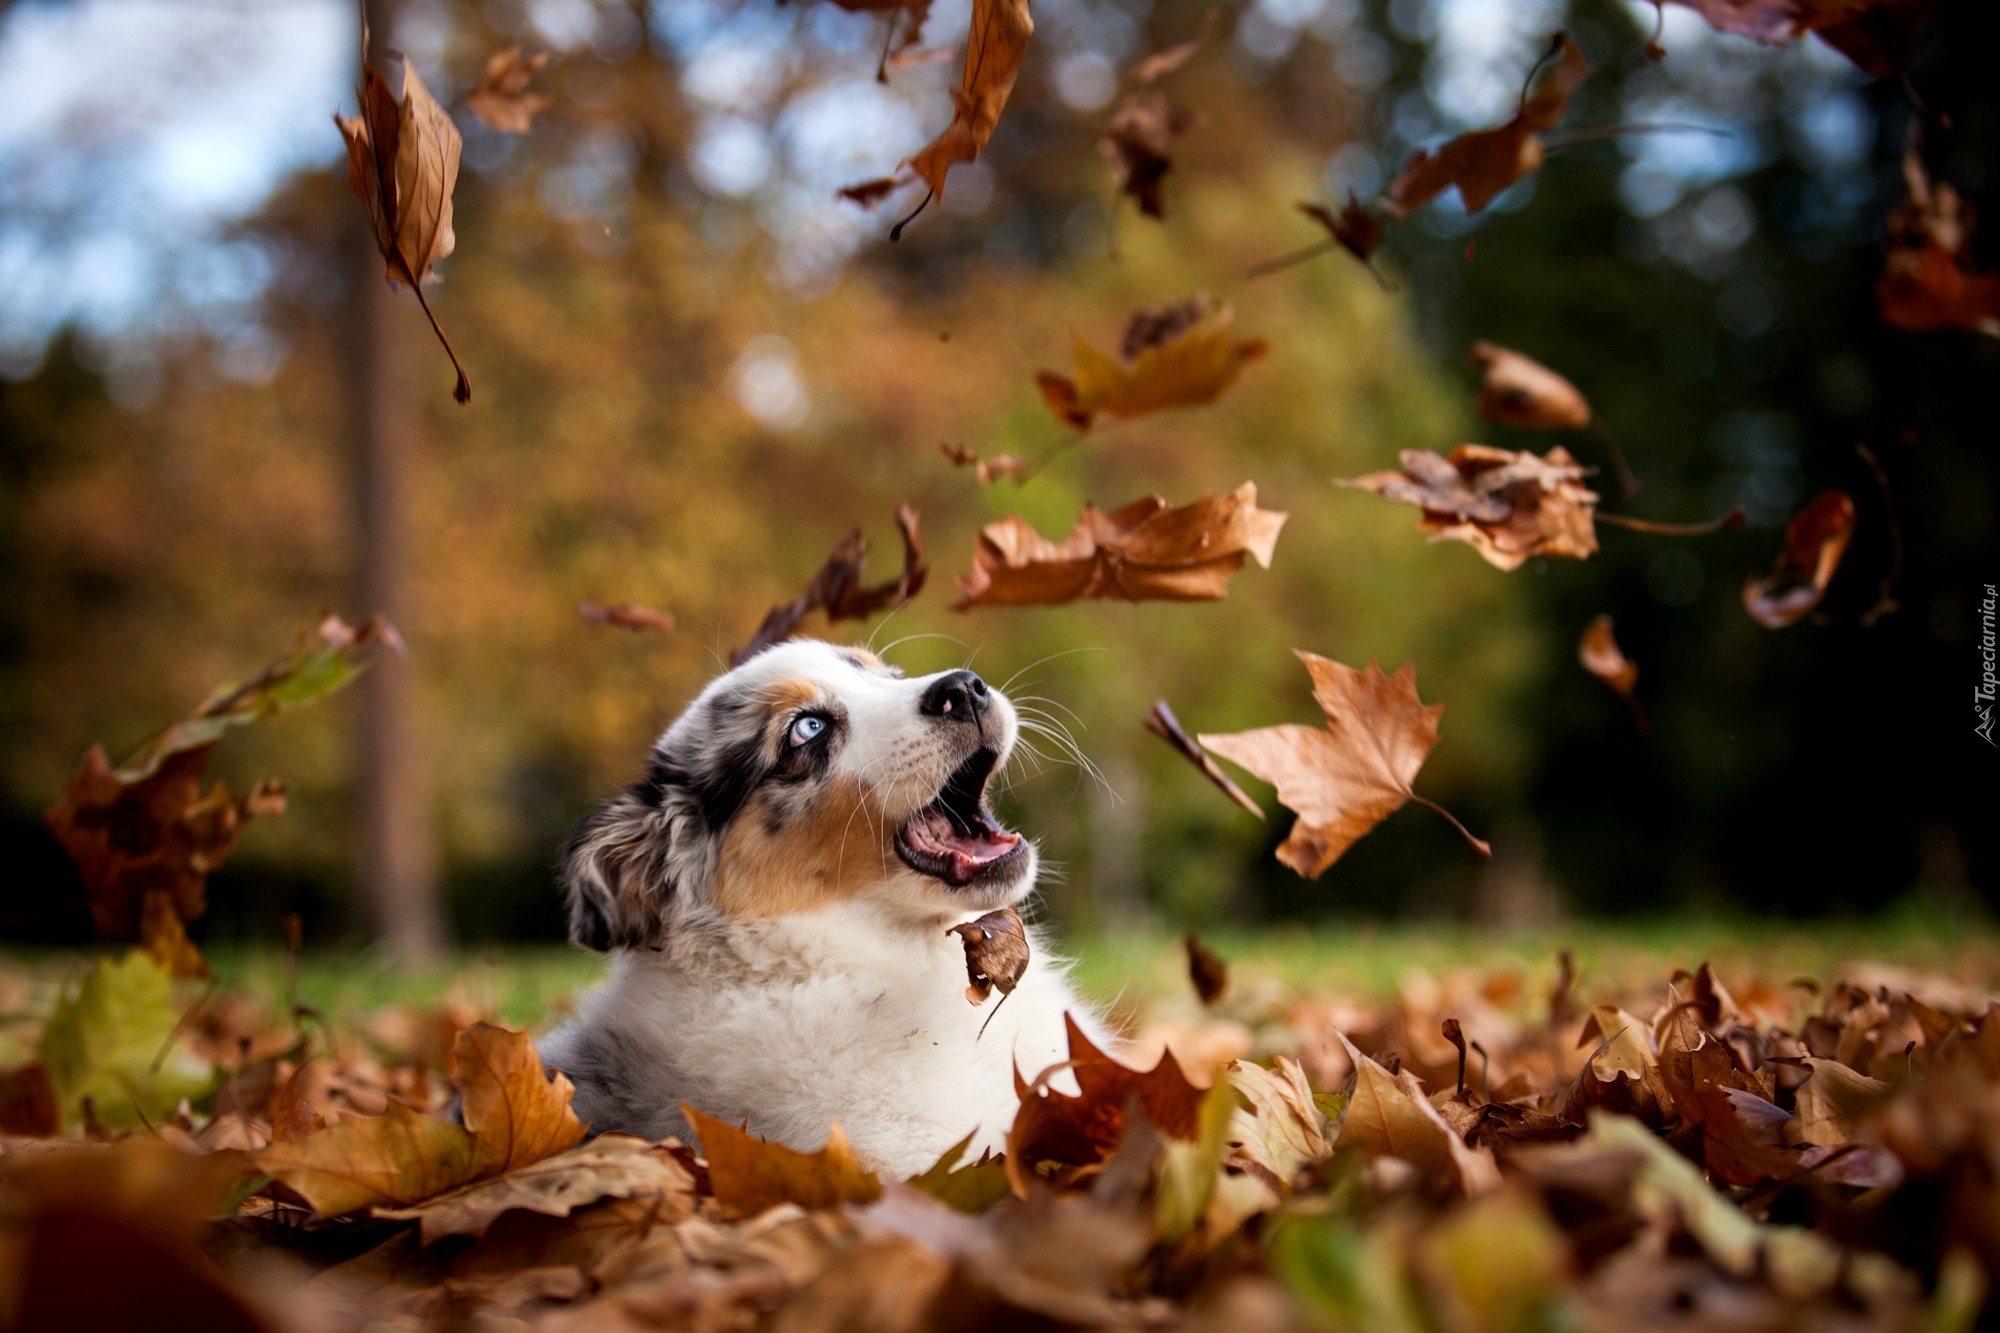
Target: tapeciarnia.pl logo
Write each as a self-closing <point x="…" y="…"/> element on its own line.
<point x="1982" y="693"/>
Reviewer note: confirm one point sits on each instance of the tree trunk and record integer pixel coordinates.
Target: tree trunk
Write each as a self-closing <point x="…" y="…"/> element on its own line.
<point x="397" y="866"/>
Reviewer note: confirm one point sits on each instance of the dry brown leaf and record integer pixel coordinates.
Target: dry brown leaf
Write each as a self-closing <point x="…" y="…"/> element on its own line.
<point x="749" y="1174"/>
<point x="501" y="98"/>
<point x="1164" y="62"/>
<point x="1830" y="1103"/>
<point x="1160" y="720"/>
<point x="836" y="587"/>
<point x="1139" y="145"/>
<point x="1357" y="230"/>
<point x="1206" y="969"/>
<point x="869" y="193"/>
<point x="1878" y="35"/>
<point x="1389" y="1116"/>
<point x="628" y="615"/>
<point x="1147" y="551"/>
<point x="1928" y="281"/>
<point x="1520" y="391"/>
<point x="1815" y="540"/>
<point x="994" y="47"/>
<point x="1484" y="163"/>
<point x="402" y="163"/>
<point x="1601" y="656"/>
<point x="996" y="953"/>
<point x="1348" y="776"/>
<point x="28" y="1106"/>
<point x="1181" y="355"/>
<point x="516" y="1112"/>
<point x="986" y="471"/>
<point x="1508" y="506"/>
<point x="1059" y="1140"/>
<point x="612" y="1166"/>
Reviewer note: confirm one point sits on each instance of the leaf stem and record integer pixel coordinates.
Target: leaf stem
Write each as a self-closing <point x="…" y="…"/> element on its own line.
<point x="1733" y="519"/>
<point x="896" y="232"/>
<point x="1628" y="481"/>
<point x="1480" y="845"/>
<point x="462" y="391"/>
<point x="1285" y="261"/>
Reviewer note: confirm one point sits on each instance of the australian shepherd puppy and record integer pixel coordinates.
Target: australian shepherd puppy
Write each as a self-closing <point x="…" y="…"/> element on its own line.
<point x="778" y="893"/>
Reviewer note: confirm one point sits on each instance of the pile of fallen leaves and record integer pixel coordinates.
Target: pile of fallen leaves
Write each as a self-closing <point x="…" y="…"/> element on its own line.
<point x="1479" y="1151"/>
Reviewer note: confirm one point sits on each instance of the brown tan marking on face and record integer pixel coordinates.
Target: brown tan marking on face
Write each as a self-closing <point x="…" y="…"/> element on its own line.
<point x="826" y="853"/>
<point x="784" y="695"/>
<point x="862" y="657"/>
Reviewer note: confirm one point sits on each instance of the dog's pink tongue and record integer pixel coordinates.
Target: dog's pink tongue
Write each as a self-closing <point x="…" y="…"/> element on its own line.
<point x="966" y="851"/>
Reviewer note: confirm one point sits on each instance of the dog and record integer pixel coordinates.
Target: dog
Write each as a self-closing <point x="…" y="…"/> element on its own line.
<point x="778" y="893"/>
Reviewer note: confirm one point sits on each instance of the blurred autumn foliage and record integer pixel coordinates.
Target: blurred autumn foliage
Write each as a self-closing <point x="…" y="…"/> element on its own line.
<point x="673" y="413"/>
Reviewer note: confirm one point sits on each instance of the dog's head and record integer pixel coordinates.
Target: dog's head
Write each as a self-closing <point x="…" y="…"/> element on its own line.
<point x="810" y="774"/>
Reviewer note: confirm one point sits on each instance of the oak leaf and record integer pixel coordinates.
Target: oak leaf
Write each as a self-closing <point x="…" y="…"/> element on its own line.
<point x="1878" y="35"/>
<point x="1160" y="720"/>
<point x="402" y="163"/>
<point x="1507" y="506"/>
<point x="1601" y="656"/>
<point x="749" y="1175"/>
<point x="1057" y="1139"/>
<point x="1483" y="163"/>
<point x="996" y="953"/>
<point x="612" y="1166"/>
<point x="1815" y="540"/>
<point x="628" y="615"/>
<point x="1180" y="355"/>
<point x="1928" y="281"/>
<point x="1348" y="776"/>
<point x="1146" y="551"/>
<point x="836" y="587"/>
<point x="501" y="98"/>
<point x="1519" y="391"/>
<point x="994" y="48"/>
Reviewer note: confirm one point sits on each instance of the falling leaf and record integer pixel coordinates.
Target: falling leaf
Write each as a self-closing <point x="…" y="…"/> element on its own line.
<point x="402" y="163"/>
<point x="1878" y="35"/>
<point x="1520" y="391"/>
<point x="1206" y="969"/>
<point x="1601" y="656"/>
<point x="996" y="953"/>
<point x="1389" y="1116"/>
<point x="1815" y="540"/>
<point x="1345" y="778"/>
<point x="1357" y="230"/>
<point x="628" y="615"/>
<point x="1484" y="163"/>
<point x="1160" y="720"/>
<point x="501" y="98"/>
<point x="612" y="1166"/>
<point x="145" y="836"/>
<point x="750" y="1175"/>
<point x="1058" y="1139"/>
<point x="1928" y="281"/>
<point x="1182" y="355"/>
<point x="513" y="1113"/>
<point x="1146" y="551"/>
<point x="837" y="589"/>
<point x="986" y="471"/>
<point x="1169" y="60"/>
<point x="994" y="48"/>
<point x="869" y="193"/>
<point x="1508" y="506"/>
<point x="1139" y="144"/>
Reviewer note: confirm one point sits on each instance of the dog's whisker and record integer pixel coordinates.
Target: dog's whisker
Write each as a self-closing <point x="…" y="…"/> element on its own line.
<point x="892" y="646"/>
<point x="1053" y="703"/>
<point x="1008" y="683"/>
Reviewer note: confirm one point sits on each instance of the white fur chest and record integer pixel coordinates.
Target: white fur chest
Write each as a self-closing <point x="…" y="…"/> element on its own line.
<point x="847" y="1013"/>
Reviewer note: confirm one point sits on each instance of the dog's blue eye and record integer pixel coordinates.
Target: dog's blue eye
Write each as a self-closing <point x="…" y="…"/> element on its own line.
<point x="806" y="728"/>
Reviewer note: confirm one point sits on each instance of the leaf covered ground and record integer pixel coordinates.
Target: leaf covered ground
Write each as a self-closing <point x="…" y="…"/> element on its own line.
<point x="1522" y="1142"/>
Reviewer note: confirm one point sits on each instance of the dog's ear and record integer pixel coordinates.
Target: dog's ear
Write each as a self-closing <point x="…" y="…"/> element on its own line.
<point x="615" y="869"/>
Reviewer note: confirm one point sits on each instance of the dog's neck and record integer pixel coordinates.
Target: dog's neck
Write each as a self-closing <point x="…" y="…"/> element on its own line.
<point x="860" y="935"/>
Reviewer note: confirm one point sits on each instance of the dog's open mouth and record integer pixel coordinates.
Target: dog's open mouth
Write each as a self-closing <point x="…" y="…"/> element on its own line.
<point x="955" y="838"/>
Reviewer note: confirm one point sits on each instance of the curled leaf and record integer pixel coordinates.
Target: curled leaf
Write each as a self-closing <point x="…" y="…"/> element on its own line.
<point x="1162" y="723"/>
<point x="1601" y="656"/>
<point x="1348" y="776"/>
<point x="836" y="587"/>
<point x="1182" y="355"/>
<point x="1139" y="145"/>
<point x="986" y="471"/>
<point x="1146" y="551"/>
<point x="994" y="48"/>
<point x="628" y="615"/>
<point x="1057" y="1139"/>
<point x="1508" y="506"/>
<point x="1928" y="280"/>
<point x="1206" y="969"/>
<point x="1815" y="540"/>
<point x="613" y="1166"/>
<point x="1520" y="391"/>
<point x="1356" y="229"/>
<point x="996" y="953"/>
<point x="501" y="98"/>
<point x="1878" y="35"/>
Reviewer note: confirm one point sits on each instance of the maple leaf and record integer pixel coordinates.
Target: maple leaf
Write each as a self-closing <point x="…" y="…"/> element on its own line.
<point x="1389" y="1115"/>
<point x="749" y="1175"/>
<point x="1878" y="35"/>
<point x="514" y="1115"/>
<point x="1206" y="970"/>
<point x="1057" y="1139"/>
<point x="501" y="98"/>
<point x="1928" y="281"/>
<point x="1348" y="776"/>
<point x="836" y="588"/>
<point x="986" y="471"/>
<point x="611" y="1166"/>
<point x="1180" y="355"/>
<point x="628" y="615"/>
<point x="996" y="953"/>
<point x="971" y="1188"/>
<point x="1508" y="506"/>
<point x="1484" y="163"/>
<point x="402" y="163"/>
<point x="144" y="835"/>
<point x="1601" y="656"/>
<point x="1160" y="720"/>
<point x="1520" y="391"/>
<point x="994" y="48"/>
<point x="1815" y="540"/>
<point x="1146" y="551"/>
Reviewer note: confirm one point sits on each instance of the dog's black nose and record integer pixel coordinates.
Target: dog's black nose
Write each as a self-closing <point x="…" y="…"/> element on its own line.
<point x="959" y="695"/>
